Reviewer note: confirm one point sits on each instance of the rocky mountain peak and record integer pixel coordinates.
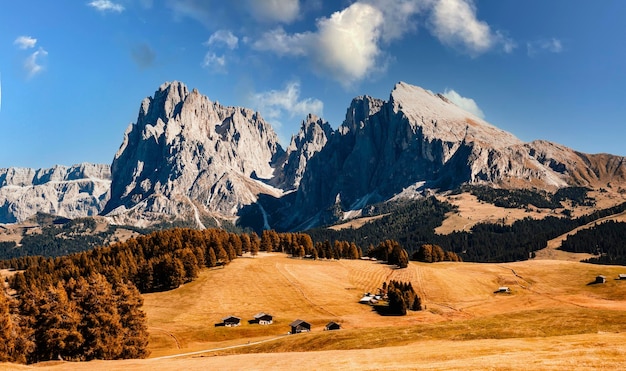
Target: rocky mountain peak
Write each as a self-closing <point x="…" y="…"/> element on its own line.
<point x="186" y="154"/>
<point x="360" y="109"/>
<point x="310" y="139"/>
<point x="439" y="118"/>
<point x="165" y="103"/>
<point x="192" y="158"/>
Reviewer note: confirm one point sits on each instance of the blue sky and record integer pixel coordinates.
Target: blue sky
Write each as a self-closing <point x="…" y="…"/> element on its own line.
<point x="73" y="72"/>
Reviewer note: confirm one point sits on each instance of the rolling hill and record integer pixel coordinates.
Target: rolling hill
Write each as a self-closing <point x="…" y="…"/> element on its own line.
<point x="553" y="317"/>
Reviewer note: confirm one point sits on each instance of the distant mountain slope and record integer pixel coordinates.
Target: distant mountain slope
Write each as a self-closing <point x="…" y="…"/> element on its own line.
<point x="69" y="191"/>
<point x="418" y="141"/>
<point x="190" y="158"/>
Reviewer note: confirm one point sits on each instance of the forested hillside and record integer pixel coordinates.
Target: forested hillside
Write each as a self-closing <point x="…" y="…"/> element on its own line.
<point x="413" y="225"/>
<point x="606" y="240"/>
<point x="87" y="305"/>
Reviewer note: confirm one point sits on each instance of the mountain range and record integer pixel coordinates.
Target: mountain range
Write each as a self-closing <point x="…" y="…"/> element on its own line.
<point x="187" y="157"/>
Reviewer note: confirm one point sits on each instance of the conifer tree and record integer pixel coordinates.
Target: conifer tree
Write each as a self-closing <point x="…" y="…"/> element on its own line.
<point x="101" y="325"/>
<point x="133" y="320"/>
<point x="6" y="329"/>
<point x="190" y="264"/>
<point x="235" y="241"/>
<point x="222" y="256"/>
<point x="245" y="243"/>
<point x="266" y="241"/>
<point x="211" y="258"/>
<point x="255" y="244"/>
<point x="56" y="330"/>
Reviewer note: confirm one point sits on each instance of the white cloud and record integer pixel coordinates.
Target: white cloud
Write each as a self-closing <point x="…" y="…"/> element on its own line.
<point x="467" y="104"/>
<point x="399" y="16"/>
<point x="552" y="45"/>
<point x="345" y="45"/>
<point x="284" y="11"/>
<point x="224" y="37"/>
<point x="199" y="10"/>
<point x="455" y="24"/>
<point x="32" y="64"/>
<point x="282" y="43"/>
<point x="274" y="104"/>
<point x="220" y="14"/>
<point x="106" y="5"/>
<point x="25" y="42"/>
<point x="348" y="42"/>
<point x="214" y="62"/>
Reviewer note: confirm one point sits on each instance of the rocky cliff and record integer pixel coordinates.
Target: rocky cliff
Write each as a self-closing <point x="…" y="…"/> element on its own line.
<point x="418" y="141"/>
<point x="74" y="191"/>
<point x="310" y="139"/>
<point x="189" y="156"/>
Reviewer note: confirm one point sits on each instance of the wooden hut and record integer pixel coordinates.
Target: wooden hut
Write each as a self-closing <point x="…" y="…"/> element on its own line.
<point x="332" y="326"/>
<point x="299" y="326"/>
<point x="263" y="318"/>
<point x="231" y="321"/>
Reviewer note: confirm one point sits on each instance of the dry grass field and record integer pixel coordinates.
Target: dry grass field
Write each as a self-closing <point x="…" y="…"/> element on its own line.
<point x="553" y="318"/>
<point x="472" y="211"/>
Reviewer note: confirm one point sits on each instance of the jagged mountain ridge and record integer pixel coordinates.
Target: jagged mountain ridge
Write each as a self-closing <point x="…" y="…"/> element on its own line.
<point x="186" y="154"/>
<point x="310" y="139"/>
<point x="417" y="141"/>
<point x="74" y="191"/>
<point x="188" y="157"/>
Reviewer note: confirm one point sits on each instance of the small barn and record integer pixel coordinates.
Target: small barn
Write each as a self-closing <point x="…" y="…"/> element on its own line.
<point x="231" y="321"/>
<point x="600" y="279"/>
<point x="299" y="326"/>
<point x="503" y="290"/>
<point x="368" y="299"/>
<point x="263" y="318"/>
<point x="621" y="276"/>
<point x="332" y="326"/>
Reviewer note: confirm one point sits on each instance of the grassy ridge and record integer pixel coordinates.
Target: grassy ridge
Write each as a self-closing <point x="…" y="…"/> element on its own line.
<point x="523" y="324"/>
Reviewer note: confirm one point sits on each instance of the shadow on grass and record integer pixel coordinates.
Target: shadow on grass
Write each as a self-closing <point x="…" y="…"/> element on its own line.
<point x="384" y="310"/>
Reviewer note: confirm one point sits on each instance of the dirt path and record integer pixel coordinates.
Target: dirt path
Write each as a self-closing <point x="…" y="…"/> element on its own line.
<point x="168" y="334"/>
<point x="248" y="344"/>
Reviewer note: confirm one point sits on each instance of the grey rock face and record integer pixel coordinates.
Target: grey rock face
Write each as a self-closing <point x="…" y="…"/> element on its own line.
<point x="186" y="153"/>
<point x="311" y="138"/>
<point x="417" y="141"/>
<point x="74" y="191"/>
<point x="188" y="157"/>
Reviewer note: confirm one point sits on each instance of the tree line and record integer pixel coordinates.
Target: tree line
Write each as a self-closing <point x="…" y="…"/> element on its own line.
<point x="428" y="253"/>
<point x="391" y="252"/>
<point x="487" y="242"/>
<point x="410" y="223"/>
<point x="521" y="198"/>
<point x="605" y="240"/>
<point x="413" y="225"/>
<point x="401" y="296"/>
<point x="87" y="305"/>
<point x="78" y="320"/>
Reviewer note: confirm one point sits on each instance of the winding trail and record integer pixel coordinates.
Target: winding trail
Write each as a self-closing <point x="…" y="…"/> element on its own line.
<point x="168" y="334"/>
<point x="215" y="349"/>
